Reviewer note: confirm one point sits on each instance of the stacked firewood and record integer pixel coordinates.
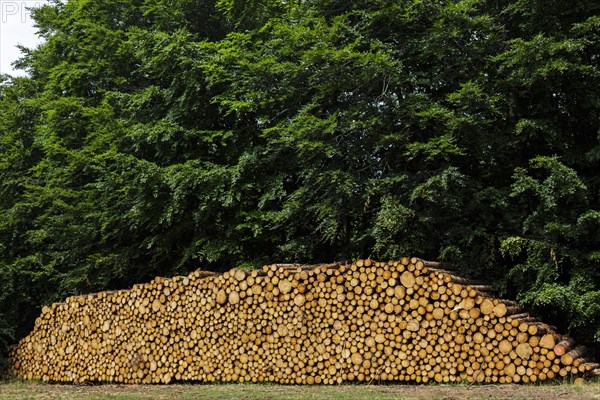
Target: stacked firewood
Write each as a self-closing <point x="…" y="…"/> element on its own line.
<point x="298" y="324"/>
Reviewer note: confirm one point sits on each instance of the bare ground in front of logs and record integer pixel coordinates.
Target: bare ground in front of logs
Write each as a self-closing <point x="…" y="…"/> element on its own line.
<point x="15" y="391"/>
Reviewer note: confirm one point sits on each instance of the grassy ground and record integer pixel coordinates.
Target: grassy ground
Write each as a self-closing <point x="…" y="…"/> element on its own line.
<point x="20" y="390"/>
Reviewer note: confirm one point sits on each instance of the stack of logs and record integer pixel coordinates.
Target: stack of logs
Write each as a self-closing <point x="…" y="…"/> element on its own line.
<point x="298" y="324"/>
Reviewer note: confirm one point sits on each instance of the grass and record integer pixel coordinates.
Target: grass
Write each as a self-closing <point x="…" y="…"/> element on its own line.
<point x="15" y="390"/>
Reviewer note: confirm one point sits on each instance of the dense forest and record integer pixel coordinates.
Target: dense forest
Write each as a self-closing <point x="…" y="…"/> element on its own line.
<point x="155" y="137"/>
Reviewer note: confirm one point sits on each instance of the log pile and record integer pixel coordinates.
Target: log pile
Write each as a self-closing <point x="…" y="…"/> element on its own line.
<point x="298" y="324"/>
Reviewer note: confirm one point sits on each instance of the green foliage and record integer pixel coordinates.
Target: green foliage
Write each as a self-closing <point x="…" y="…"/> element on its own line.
<point x="554" y="273"/>
<point x="154" y="137"/>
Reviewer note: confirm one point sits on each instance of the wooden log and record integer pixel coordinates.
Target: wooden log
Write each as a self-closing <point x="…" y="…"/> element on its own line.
<point x="440" y="271"/>
<point x="548" y="341"/>
<point x="537" y="329"/>
<point x="521" y="316"/>
<point x="234" y="297"/>
<point x="487" y="306"/>
<point x="482" y="288"/>
<point x="240" y="274"/>
<point x="564" y="346"/>
<point x="505" y="346"/>
<point x="285" y="286"/>
<point x="583" y="366"/>
<point x="407" y="279"/>
<point x="199" y="274"/>
<point x="504" y="310"/>
<point x="438" y="265"/>
<point x="460" y="280"/>
<point x="524" y="351"/>
<point x="221" y="297"/>
<point x="577" y="352"/>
